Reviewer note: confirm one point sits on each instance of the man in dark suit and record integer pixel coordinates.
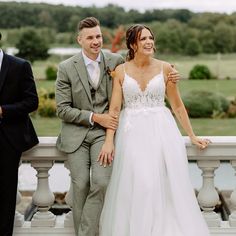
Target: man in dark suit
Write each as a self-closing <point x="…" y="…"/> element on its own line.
<point x="18" y="97"/>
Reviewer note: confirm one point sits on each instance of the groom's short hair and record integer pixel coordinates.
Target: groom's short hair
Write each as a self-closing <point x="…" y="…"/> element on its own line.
<point x="88" y="22"/>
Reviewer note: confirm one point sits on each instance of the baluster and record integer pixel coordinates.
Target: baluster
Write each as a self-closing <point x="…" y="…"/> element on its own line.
<point x="232" y="217"/>
<point x="69" y="201"/>
<point x="43" y="198"/>
<point x="208" y="197"/>
<point x="19" y="218"/>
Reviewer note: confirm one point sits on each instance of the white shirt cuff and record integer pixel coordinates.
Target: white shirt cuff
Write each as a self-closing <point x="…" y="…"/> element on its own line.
<point x="90" y="119"/>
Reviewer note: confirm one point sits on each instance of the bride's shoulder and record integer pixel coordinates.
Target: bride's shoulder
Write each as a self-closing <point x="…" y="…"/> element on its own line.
<point x="120" y="67"/>
<point x="164" y="64"/>
<point x="119" y="72"/>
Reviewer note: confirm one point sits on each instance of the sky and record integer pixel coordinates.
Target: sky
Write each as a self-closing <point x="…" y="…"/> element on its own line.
<point x="223" y="6"/>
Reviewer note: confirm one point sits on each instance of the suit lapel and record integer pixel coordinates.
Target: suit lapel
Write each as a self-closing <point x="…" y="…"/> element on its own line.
<point x="4" y="69"/>
<point x="83" y="75"/>
<point x="102" y="71"/>
<point x="106" y="63"/>
<point x="106" y="67"/>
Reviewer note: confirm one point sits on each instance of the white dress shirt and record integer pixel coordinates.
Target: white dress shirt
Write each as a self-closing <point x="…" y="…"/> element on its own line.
<point x="89" y="63"/>
<point x="1" y="58"/>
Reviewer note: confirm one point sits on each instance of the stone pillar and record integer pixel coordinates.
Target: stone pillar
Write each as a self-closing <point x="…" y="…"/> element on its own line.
<point x="208" y="197"/>
<point x="43" y="198"/>
<point x="232" y="217"/>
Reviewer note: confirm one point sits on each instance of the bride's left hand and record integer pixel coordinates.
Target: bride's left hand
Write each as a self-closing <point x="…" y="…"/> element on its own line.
<point x="200" y="143"/>
<point x="106" y="154"/>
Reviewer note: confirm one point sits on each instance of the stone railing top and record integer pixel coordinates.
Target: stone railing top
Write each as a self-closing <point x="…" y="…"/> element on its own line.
<point x="45" y="150"/>
<point x="221" y="148"/>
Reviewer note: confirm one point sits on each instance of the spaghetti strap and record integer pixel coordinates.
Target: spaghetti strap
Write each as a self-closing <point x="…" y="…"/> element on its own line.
<point x="124" y="68"/>
<point x="123" y="65"/>
<point x="161" y="67"/>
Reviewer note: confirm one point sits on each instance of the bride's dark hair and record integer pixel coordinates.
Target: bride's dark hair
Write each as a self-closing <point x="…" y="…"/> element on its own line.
<point x="132" y="35"/>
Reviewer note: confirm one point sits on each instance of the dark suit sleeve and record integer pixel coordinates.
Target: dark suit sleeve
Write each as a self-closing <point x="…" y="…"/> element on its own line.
<point x="27" y="100"/>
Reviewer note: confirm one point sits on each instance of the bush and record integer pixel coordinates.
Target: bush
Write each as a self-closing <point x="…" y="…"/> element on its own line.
<point x="204" y="104"/>
<point x="47" y="103"/>
<point x="32" y="46"/>
<point x="47" y="107"/>
<point x="51" y="72"/>
<point x="232" y="109"/>
<point x="200" y="72"/>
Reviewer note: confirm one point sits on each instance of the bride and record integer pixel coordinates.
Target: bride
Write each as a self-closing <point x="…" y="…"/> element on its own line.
<point x="150" y="193"/>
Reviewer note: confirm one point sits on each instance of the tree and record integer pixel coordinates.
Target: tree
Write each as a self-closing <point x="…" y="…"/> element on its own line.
<point x="183" y="15"/>
<point x="207" y="42"/>
<point x="32" y="46"/>
<point x="193" y="47"/>
<point x="223" y="38"/>
<point x="169" y="37"/>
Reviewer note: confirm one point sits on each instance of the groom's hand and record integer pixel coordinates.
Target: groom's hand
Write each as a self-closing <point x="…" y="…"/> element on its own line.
<point x="108" y="121"/>
<point x="174" y="75"/>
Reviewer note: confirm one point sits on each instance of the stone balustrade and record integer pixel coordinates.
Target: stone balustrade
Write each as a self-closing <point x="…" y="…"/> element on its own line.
<point x="45" y="223"/>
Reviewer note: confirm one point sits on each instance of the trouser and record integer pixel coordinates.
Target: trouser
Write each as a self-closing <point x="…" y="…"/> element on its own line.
<point x="9" y="163"/>
<point x="89" y="181"/>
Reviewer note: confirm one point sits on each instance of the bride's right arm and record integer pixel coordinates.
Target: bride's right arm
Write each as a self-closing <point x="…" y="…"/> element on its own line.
<point x="180" y="112"/>
<point x="106" y="154"/>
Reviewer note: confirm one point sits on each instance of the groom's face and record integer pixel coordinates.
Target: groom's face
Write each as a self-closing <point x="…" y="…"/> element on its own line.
<point x="90" y="39"/>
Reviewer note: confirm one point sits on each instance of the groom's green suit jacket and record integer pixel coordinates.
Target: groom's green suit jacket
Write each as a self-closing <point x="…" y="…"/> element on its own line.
<point x="75" y="101"/>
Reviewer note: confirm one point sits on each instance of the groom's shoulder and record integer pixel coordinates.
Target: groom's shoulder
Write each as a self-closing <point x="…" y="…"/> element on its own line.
<point x="70" y="60"/>
<point x="111" y="55"/>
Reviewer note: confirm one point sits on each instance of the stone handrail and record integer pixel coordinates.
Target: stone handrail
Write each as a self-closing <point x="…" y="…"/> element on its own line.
<point x="43" y="156"/>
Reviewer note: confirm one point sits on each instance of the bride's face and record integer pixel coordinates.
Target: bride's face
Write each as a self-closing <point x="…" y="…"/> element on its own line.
<point x="145" y="43"/>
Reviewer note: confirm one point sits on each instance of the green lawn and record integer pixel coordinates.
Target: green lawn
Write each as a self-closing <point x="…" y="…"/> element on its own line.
<point x="46" y="84"/>
<point x="226" y="87"/>
<point x="47" y="126"/>
<point x="39" y="67"/>
<point x="213" y="127"/>
<point x="202" y="127"/>
<point x="222" y="67"/>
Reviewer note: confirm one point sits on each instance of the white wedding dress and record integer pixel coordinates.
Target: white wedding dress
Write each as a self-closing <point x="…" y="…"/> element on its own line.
<point x="150" y="193"/>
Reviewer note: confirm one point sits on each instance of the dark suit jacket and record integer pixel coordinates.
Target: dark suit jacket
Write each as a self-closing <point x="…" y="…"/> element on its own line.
<point x="18" y="97"/>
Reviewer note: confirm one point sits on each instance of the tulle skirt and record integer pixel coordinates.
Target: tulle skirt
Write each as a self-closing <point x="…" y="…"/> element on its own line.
<point x="150" y="193"/>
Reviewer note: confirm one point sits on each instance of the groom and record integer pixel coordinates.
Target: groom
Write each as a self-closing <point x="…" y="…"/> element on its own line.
<point x="83" y="92"/>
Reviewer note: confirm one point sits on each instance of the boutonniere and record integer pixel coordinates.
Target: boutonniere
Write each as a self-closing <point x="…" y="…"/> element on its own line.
<point x="110" y="72"/>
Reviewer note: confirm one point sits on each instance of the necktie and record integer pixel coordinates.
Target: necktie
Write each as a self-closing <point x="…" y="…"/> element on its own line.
<point x="96" y="73"/>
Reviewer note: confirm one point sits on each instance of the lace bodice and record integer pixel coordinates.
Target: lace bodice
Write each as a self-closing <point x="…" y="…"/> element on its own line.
<point x="152" y="96"/>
